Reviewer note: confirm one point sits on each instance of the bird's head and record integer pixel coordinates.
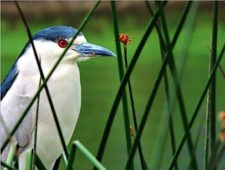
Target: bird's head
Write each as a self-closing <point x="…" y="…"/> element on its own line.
<point x="51" y="42"/>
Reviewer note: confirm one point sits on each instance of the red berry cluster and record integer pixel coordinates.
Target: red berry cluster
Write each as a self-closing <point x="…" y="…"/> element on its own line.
<point x="124" y="38"/>
<point x="222" y="120"/>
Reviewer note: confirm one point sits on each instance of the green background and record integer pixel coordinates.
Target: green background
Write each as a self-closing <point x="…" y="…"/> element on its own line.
<point x="100" y="81"/>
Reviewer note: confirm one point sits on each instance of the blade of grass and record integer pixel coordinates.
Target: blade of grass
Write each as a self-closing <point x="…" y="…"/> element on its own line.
<point x="214" y="157"/>
<point x="77" y="145"/>
<point x="213" y="85"/>
<point x="156" y="85"/>
<point x="28" y="159"/>
<point x="83" y="23"/>
<point x="194" y="115"/>
<point x="217" y="155"/>
<point x="163" y="52"/>
<point x="199" y="131"/>
<point x="57" y="162"/>
<point x="11" y="155"/>
<point x="179" y="92"/>
<point x="121" y="73"/>
<point x="191" y="22"/>
<point x="146" y="112"/>
<point x="206" y="142"/>
<point x="143" y="162"/>
<point x="210" y="134"/>
<point x="161" y="135"/>
<point x="71" y="159"/>
<point x="39" y="163"/>
<point x="123" y="85"/>
<point x="222" y="71"/>
<point x="124" y="99"/>
<point x="184" y="53"/>
<point x="187" y="39"/>
<point x="7" y="166"/>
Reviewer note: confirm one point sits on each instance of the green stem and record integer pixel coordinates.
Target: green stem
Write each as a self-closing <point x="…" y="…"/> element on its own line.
<point x="77" y="145"/>
<point x="28" y="159"/>
<point x="179" y="93"/>
<point x="212" y="88"/>
<point x="166" y="83"/>
<point x="156" y="85"/>
<point x="196" y="111"/>
<point x="222" y="71"/>
<point x="143" y="162"/>
<point x="216" y="155"/>
<point x="210" y="134"/>
<point x="11" y="155"/>
<point x="206" y="142"/>
<point x="121" y="74"/>
<point x="123" y="85"/>
<point x="39" y="164"/>
<point x="7" y="166"/>
<point x="199" y="131"/>
<point x="71" y="158"/>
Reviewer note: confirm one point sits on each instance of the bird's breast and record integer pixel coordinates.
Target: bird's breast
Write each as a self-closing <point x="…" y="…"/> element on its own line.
<point x="65" y="91"/>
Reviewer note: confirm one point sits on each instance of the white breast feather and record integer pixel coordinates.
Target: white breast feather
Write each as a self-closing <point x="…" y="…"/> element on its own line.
<point x="64" y="87"/>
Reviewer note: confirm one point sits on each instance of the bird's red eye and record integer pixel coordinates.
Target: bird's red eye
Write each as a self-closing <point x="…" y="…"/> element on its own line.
<point x="62" y="43"/>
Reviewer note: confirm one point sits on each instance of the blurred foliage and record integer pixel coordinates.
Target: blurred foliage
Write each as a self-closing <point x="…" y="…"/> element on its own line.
<point x="100" y="81"/>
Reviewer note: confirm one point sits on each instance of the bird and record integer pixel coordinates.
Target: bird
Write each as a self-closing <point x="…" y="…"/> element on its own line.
<point x="23" y="81"/>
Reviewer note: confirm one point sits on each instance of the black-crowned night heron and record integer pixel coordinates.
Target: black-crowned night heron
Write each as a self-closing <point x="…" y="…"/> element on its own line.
<point x="22" y="83"/>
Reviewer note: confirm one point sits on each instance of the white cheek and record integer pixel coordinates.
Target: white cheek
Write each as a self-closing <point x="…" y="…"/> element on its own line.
<point x="80" y="39"/>
<point x="48" y="51"/>
<point x="48" y="54"/>
<point x="51" y="54"/>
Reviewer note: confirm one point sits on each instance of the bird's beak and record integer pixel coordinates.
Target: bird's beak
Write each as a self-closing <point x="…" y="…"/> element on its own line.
<point x="88" y="50"/>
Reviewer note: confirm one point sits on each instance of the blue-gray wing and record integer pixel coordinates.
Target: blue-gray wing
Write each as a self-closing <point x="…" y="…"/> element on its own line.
<point x="8" y="81"/>
<point x="11" y="76"/>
